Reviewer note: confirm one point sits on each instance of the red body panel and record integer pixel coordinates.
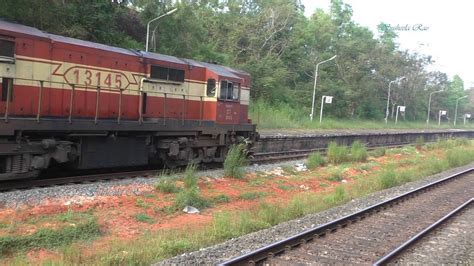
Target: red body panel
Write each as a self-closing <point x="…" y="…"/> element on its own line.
<point x="55" y="102"/>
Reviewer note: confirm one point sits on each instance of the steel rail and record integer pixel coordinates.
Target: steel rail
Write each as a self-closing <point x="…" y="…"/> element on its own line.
<point x="281" y="246"/>
<point x="403" y="247"/>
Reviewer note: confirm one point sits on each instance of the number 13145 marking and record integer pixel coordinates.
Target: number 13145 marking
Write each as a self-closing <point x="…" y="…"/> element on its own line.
<point x="97" y="78"/>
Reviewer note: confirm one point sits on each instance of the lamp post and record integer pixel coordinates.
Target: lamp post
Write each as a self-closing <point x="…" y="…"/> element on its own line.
<point x="315" y="79"/>
<point x="429" y="106"/>
<point x="456" y="109"/>
<point x="388" y="97"/>
<point x="324" y="99"/>
<point x="149" y="22"/>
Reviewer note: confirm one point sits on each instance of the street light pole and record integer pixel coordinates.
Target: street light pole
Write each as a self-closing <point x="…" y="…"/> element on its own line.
<point x="149" y="22"/>
<point x="388" y="97"/>
<point x="429" y="106"/>
<point x="315" y="80"/>
<point x="456" y="110"/>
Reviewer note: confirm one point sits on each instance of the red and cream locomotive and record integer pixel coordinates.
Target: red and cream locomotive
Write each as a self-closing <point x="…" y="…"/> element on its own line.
<point x="76" y="104"/>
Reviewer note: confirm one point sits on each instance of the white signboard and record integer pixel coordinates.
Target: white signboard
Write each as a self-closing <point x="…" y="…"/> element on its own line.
<point x="442" y="112"/>
<point x="402" y="108"/>
<point x="328" y="99"/>
<point x="468" y="115"/>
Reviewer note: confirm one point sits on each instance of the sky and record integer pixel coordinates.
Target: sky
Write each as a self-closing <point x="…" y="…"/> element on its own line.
<point x="442" y="29"/>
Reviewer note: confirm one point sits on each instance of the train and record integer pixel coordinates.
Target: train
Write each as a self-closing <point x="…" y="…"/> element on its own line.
<point x="72" y="104"/>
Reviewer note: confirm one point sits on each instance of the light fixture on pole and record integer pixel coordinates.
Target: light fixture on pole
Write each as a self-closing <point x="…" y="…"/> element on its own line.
<point x="400" y="108"/>
<point x="149" y="22"/>
<point x="324" y="99"/>
<point x="429" y="105"/>
<point x="315" y="80"/>
<point x="388" y="97"/>
<point x="456" y="110"/>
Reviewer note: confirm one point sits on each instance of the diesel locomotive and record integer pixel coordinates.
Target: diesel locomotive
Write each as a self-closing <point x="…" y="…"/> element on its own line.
<point x="74" y="104"/>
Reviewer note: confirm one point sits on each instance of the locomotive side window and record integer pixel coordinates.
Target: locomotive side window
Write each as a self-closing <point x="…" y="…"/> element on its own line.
<point x="7" y="85"/>
<point x="7" y="49"/>
<point x="223" y="94"/>
<point x="235" y="94"/>
<point x="165" y="73"/>
<point x="230" y="89"/>
<point x="211" y="87"/>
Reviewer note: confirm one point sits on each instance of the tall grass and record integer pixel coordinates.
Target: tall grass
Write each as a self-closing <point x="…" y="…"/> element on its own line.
<point x="234" y="161"/>
<point x="337" y="153"/>
<point x="277" y="116"/>
<point x="358" y="152"/>
<point x="190" y="195"/>
<point x="315" y="159"/>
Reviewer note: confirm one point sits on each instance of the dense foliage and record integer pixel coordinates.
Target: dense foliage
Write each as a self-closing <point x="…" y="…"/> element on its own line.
<point x="271" y="39"/>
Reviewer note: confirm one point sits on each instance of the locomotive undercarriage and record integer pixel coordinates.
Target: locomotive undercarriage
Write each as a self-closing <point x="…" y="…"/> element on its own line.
<point x="27" y="154"/>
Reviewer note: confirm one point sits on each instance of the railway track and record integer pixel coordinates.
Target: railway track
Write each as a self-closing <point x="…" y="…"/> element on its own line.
<point x="376" y="234"/>
<point x="268" y="150"/>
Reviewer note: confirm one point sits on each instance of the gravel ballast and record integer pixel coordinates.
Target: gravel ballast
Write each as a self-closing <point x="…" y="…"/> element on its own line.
<point x="238" y="246"/>
<point x="121" y="187"/>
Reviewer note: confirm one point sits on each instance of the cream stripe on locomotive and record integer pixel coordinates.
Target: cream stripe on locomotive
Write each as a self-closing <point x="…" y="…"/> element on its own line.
<point x="29" y="71"/>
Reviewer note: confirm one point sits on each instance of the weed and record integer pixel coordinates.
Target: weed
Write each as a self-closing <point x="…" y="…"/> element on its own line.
<point x="338" y="196"/>
<point x="335" y="175"/>
<point x="141" y="203"/>
<point x="234" y="161"/>
<point x="419" y="142"/>
<point x="49" y="238"/>
<point x="315" y="159"/>
<point x="323" y="185"/>
<point x="190" y="179"/>
<point x="288" y="169"/>
<point x="378" y="152"/>
<point x="142" y="217"/>
<point x="337" y="153"/>
<point x="67" y="216"/>
<point x="222" y="198"/>
<point x="252" y="195"/>
<point x="256" y="182"/>
<point x="387" y="178"/>
<point x="166" y="185"/>
<point x="358" y="152"/>
<point x="190" y="195"/>
<point x="284" y="187"/>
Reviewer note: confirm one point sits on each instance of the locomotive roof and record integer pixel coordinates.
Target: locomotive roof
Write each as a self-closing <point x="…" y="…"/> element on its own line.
<point x="18" y="28"/>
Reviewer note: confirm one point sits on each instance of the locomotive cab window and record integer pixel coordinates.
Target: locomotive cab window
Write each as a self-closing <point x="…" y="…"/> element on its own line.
<point x="7" y="50"/>
<point x="166" y="73"/>
<point x="211" y="88"/>
<point x="229" y="91"/>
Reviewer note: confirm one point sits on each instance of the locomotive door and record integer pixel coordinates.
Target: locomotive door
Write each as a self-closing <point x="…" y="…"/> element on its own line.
<point x="228" y="104"/>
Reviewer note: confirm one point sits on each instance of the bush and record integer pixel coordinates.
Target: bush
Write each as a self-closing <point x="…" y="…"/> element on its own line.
<point x="337" y="154"/>
<point x="315" y="159"/>
<point x="358" y="152"/>
<point x="234" y="161"/>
